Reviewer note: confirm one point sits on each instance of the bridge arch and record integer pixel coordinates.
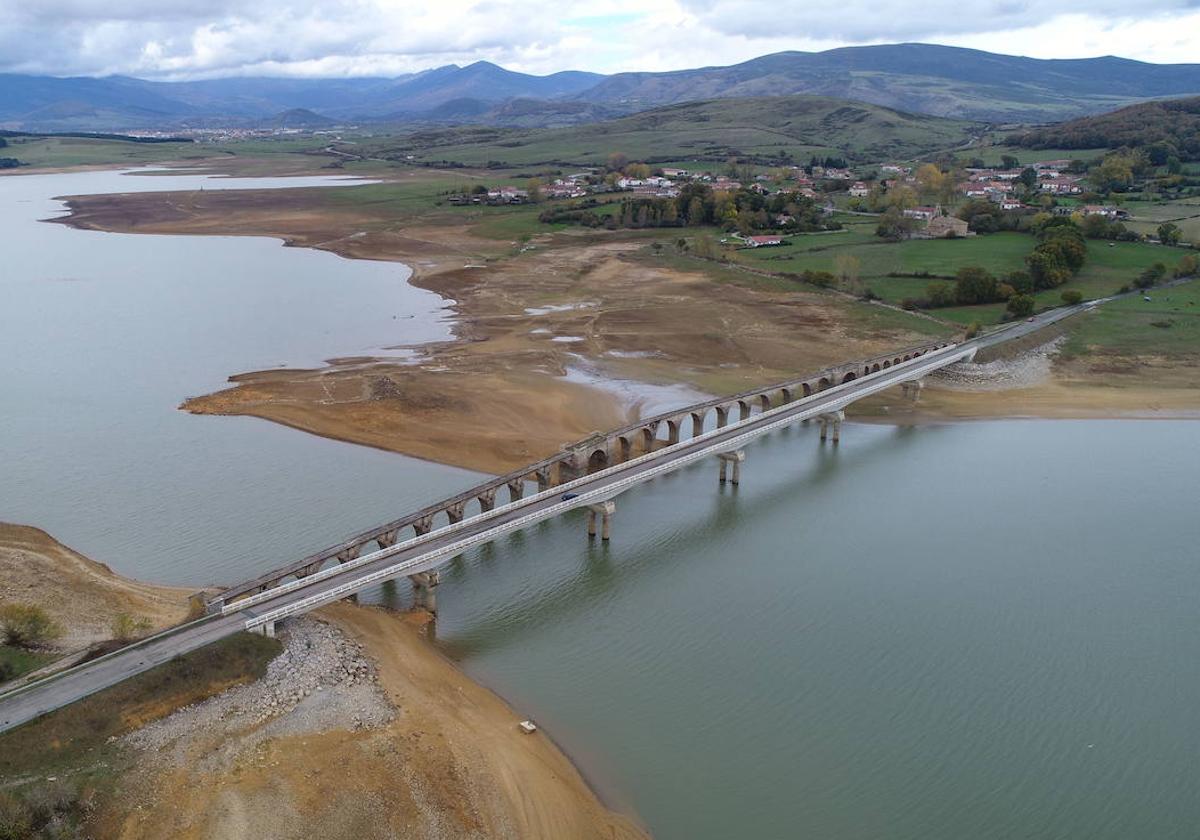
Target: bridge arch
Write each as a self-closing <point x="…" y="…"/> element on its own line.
<point x="598" y="460"/>
<point x="849" y="377"/>
<point x="764" y="401"/>
<point x="824" y="383"/>
<point x="875" y="368"/>
<point x="807" y="389"/>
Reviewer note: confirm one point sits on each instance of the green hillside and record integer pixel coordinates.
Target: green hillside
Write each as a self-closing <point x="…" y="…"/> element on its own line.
<point x="765" y="129"/>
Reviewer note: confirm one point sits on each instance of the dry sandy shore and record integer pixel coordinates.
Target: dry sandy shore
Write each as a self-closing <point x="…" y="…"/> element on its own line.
<point x="525" y="315"/>
<point x="80" y="594"/>
<point x="360" y="729"/>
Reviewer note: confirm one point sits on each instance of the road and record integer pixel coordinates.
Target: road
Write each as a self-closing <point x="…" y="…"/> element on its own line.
<point x="428" y="551"/>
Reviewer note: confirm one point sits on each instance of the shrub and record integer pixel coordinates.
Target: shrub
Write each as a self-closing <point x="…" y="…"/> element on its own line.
<point x="972" y="331"/>
<point x="126" y="626"/>
<point x="1072" y="296"/>
<point x="27" y="625"/>
<point x="1020" y="306"/>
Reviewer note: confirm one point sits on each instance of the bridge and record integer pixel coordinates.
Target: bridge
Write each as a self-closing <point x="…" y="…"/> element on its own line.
<point x="589" y="474"/>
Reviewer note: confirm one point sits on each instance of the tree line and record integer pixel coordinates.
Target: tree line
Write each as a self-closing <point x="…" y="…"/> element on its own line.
<point x="699" y="204"/>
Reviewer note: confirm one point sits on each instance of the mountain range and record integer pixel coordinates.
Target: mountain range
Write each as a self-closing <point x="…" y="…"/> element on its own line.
<point x="919" y="78"/>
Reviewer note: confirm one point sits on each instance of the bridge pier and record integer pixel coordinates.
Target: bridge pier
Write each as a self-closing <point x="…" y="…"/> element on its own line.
<point x="832" y="419"/>
<point x="424" y="584"/>
<point x="456" y="512"/>
<point x="735" y="459"/>
<point x="912" y="389"/>
<point x="516" y="489"/>
<point x="487" y="500"/>
<point x="605" y="510"/>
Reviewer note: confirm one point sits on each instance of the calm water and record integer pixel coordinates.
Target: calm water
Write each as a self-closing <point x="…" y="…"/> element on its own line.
<point x="964" y="631"/>
<point x="102" y="337"/>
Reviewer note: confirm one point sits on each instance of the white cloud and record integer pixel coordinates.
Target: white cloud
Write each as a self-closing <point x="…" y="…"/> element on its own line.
<point x="194" y="38"/>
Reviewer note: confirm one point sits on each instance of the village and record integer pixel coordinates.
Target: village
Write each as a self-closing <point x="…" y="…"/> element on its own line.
<point x="1053" y="186"/>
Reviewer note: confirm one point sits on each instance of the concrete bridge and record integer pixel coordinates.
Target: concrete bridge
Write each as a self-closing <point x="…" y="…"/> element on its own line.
<point x="597" y="452"/>
<point x="589" y="474"/>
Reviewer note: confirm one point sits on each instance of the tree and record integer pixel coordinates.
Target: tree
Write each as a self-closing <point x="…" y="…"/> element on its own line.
<point x="1020" y="306"/>
<point x="846" y="267"/>
<point x="975" y="285"/>
<point x="1009" y="162"/>
<point x="1115" y="172"/>
<point x="940" y="294"/>
<point x="1169" y="233"/>
<point x="1072" y="296"/>
<point x="126" y="626"/>
<point x="894" y="225"/>
<point x="534" y="188"/>
<point x="28" y="625"/>
<point x="1188" y="266"/>
<point x="1151" y="276"/>
<point x="931" y="179"/>
<point x="3" y="142"/>
<point x="1028" y="177"/>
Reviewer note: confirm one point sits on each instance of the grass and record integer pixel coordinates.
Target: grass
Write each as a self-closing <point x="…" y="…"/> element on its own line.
<point x="76" y="736"/>
<point x="991" y="155"/>
<point x="861" y="315"/>
<point x="16" y="662"/>
<point x="1167" y="325"/>
<point x="75" y="151"/>
<point x="765" y="128"/>
<point x="1108" y="267"/>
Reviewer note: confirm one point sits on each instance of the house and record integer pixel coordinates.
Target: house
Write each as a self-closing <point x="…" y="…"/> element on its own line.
<point x="507" y="195"/>
<point x="943" y="227"/>
<point x="923" y="214"/>
<point x="762" y="241"/>
<point x="1010" y="204"/>
<point x="859" y="190"/>
<point x="674" y="173"/>
<point x="1060" y="186"/>
<point x="1106" y="212"/>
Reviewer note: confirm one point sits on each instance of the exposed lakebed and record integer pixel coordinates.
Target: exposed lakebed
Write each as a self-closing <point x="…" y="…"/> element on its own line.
<point x="977" y="630"/>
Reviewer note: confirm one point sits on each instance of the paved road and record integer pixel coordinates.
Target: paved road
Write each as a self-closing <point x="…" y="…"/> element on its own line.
<point x="427" y="552"/>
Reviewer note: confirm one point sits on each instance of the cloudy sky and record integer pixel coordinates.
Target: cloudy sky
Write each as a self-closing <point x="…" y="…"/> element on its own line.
<point x="207" y="38"/>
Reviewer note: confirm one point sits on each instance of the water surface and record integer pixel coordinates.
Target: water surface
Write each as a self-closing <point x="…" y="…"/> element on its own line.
<point x="103" y="335"/>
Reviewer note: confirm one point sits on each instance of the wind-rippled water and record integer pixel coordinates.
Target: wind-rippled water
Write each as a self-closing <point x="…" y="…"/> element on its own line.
<point x="982" y="630"/>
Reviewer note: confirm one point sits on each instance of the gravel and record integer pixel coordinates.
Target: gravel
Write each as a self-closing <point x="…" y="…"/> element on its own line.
<point x="1025" y="370"/>
<point x="321" y="681"/>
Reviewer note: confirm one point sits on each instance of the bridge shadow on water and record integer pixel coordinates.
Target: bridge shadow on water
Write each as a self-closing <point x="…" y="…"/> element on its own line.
<point x="531" y="608"/>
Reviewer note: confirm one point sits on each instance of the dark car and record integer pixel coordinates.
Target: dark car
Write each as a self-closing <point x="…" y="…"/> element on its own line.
<point x="566" y="497"/>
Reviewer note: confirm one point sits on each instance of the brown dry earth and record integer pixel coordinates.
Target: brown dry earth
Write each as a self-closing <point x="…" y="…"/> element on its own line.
<point x="495" y="398"/>
<point x="451" y="764"/>
<point x="80" y="594"/>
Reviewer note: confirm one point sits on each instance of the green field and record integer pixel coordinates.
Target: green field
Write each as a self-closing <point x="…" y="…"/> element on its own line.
<point x="1166" y="325"/>
<point x="1108" y="267"/>
<point x="991" y="155"/>
<point x="75" y="151"/>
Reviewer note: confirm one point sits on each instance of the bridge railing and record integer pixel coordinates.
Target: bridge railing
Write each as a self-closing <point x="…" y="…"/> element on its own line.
<point x="422" y="520"/>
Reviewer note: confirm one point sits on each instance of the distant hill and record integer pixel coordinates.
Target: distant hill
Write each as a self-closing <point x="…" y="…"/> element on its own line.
<point x="1171" y="126"/>
<point x="298" y="118"/>
<point x="917" y="78"/>
<point x="780" y="130"/>
<point x="925" y="78"/>
<point x="45" y="103"/>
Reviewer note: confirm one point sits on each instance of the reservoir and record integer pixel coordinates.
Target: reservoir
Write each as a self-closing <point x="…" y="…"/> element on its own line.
<point x="982" y="630"/>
